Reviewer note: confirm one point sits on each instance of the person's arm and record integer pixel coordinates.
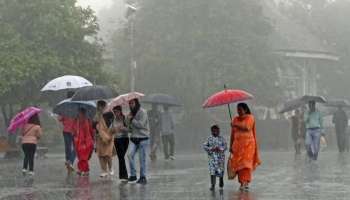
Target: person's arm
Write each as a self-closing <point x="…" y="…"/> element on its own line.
<point x="140" y="121"/>
<point x="232" y="138"/>
<point x="39" y="132"/>
<point x="246" y="126"/>
<point x="223" y="145"/>
<point x="206" y="146"/>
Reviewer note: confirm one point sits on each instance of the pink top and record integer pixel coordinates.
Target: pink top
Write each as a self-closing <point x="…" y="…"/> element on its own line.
<point x="31" y="133"/>
<point x="68" y="124"/>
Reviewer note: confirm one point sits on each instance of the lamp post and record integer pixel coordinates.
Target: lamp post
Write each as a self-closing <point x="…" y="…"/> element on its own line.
<point x="130" y="16"/>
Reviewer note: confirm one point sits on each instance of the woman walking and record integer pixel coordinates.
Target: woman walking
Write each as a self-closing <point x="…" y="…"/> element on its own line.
<point x="104" y="140"/>
<point x="83" y="141"/>
<point x="243" y="146"/>
<point x="31" y="133"/>
<point x="121" y="141"/>
<point x="139" y="126"/>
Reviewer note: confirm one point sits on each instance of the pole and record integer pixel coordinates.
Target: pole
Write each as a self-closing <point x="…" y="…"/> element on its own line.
<point x="228" y="105"/>
<point x="132" y="57"/>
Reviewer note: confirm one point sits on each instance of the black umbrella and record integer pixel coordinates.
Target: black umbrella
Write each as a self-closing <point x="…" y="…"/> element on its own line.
<point x="163" y="99"/>
<point x="95" y="92"/>
<point x="298" y="102"/>
<point x="70" y="108"/>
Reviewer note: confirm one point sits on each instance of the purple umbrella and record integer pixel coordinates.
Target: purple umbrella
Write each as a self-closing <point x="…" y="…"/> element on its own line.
<point x="22" y="118"/>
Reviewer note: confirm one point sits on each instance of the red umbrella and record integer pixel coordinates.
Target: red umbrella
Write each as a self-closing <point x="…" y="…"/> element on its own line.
<point x="227" y="97"/>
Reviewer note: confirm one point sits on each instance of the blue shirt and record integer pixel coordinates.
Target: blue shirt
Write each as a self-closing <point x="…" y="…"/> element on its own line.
<point x="313" y="120"/>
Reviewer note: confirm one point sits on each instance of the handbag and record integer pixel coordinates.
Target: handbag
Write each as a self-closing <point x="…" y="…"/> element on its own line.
<point x="230" y="172"/>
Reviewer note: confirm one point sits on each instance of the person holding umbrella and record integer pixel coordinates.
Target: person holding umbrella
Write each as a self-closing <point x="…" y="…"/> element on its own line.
<point x="167" y="131"/>
<point x="68" y="123"/>
<point x="83" y="141"/>
<point x="314" y="125"/>
<point x="30" y="135"/>
<point x="244" y="150"/>
<point x="154" y="124"/>
<point x="138" y="124"/>
<point x="121" y="140"/>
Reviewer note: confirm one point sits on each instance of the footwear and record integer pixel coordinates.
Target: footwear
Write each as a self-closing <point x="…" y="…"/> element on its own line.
<point x="111" y="173"/>
<point x="24" y="171"/>
<point x="104" y="174"/>
<point x="142" y="181"/>
<point x="172" y="157"/>
<point x="31" y="173"/>
<point x="79" y="173"/>
<point x="70" y="168"/>
<point x="212" y="188"/>
<point x="123" y="180"/>
<point x="246" y="188"/>
<point x="132" y="179"/>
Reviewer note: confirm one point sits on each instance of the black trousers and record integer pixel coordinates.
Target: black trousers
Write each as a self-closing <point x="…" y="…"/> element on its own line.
<point x="121" y="145"/>
<point x="29" y="153"/>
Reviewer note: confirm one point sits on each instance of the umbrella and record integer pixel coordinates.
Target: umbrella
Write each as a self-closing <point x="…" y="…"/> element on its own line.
<point x="123" y="100"/>
<point x="21" y="118"/>
<point x="163" y="99"/>
<point x="227" y="96"/>
<point x="71" y="108"/>
<point x="318" y="99"/>
<point x="66" y="82"/>
<point x="298" y="102"/>
<point x="95" y="92"/>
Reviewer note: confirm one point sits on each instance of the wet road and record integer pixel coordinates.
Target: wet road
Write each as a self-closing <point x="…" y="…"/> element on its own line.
<point x="280" y="177"/>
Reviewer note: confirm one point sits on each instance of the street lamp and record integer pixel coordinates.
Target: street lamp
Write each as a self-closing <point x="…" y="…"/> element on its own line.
<point x="130" y="17"/>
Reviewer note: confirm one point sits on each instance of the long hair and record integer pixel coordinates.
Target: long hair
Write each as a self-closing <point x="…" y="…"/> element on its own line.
<point x="34" y="120"/>
<point x="137" y="107"/>
<point x="245" y="107"/>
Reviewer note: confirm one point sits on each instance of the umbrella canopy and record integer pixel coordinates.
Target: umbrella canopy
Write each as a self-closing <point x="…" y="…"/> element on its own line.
<point x="318" y="99"/>
<point x="163" y="99"/>
<point x="123" y="100"/>
<point x="66" y="82"/>
<point x="69" y="108"/>
<point x="298" y="102"/>
<point x="21" y="118"/>
<point x="227" y="97"/>
<point x="93" y="93"/>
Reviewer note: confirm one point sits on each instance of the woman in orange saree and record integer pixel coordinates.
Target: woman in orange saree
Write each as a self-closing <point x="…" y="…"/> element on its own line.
<point x="243" y="147"/>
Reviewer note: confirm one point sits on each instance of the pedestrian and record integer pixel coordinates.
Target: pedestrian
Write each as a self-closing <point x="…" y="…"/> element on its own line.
<point x="83" y="142"/>
<point x="31" y="133"/>
<point x="168" y="134"/>
<point x="138" y="124"/>
<point x="340" y="120"/>
<point x="297" y="131"/>
<point x="121" y="141"/>
<point x="216" y="146"/>
<point x="154" y="125"/>
<point x="244" y="150"/>
<point x="68" y="139"/>
<point x="104" y="139"/>
<point x="314" y="124"/>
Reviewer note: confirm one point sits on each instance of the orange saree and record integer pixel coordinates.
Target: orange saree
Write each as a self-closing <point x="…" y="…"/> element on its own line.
<point x="244" y="147"/>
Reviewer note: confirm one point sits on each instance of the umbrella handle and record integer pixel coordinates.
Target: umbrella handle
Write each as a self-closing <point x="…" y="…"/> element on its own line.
<point x="228" y="105"/>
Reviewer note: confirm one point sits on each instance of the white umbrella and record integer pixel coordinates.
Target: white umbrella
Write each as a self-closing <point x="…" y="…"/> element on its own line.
<point x="123" y="99"/>
<point x="66" y="82"/>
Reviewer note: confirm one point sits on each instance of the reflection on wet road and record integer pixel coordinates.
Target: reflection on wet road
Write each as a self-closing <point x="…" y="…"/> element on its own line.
<point x="282" y="176"/>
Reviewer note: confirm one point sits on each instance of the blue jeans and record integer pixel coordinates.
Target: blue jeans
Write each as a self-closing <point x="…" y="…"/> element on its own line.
<point x="69" y="147"/>
<point x="141" y="148"/>
<point x="312" y="142"/>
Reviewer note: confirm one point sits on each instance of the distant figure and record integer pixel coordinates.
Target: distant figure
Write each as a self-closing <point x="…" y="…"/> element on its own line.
<point x="243" y="146"/>
<point x="314" y="125"/>
<point x="340" y="119"/>
<point x="121" y="141"/>
<point x="216" y="146"/>
<point x="104" y="139"/>
<point x="168" y="134"/>
<point x="83" y="141"/>
<point x="138" y="124"/>
<point x="297" y="129"/>
<point x="68" y="139"/>
<point x="31" y="133"/>
<point x="154" y="125"/>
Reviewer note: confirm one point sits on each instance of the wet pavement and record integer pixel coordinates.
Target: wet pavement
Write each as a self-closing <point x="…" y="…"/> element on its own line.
<point x="282" y="176"/>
